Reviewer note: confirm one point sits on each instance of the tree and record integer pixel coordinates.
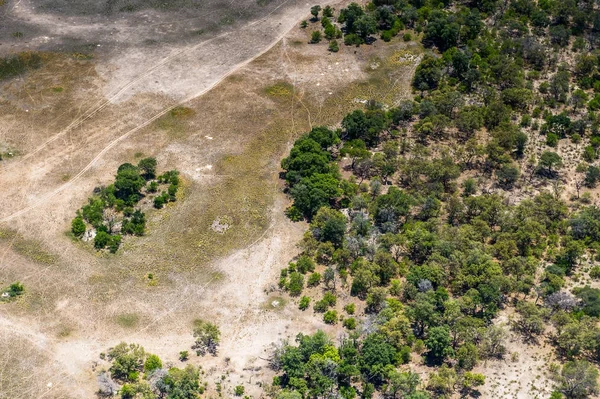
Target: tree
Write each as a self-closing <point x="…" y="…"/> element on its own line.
<point x="314" y="192"/>
<point x="507" y="175"/>
<point x="578" y="379"/>
<point x="78" y="227"/>
<point x="207" y="337"/>
<point x="296" y="284"/>
<point x="128" y="183"/>
<point x="148" y="168"/>
<point x="438" y="342"/>
<point x="401" y="384"/>
<point x="127" y="361"/>
<point x="181" y="383"/>
<point x="315" y="10"/>
<point x="329" y="225"/>
<point x="101" y="240"/>
<point x="549" y="160"/>
<point x="531" y="321"/>
<point x="427" y="75"/>
<point x="152" y="363"/>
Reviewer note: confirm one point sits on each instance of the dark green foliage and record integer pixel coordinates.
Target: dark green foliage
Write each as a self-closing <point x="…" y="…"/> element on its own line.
<point x="18" y="64"/>
<point x="590" y="300"/>
<point x="16" y="289"/>
<point x="296" y="284"/>
<point x="78" y="227"/>
<point x="104" y="208"/>
<point x="148" y="168"/>
<point x="101" y="239"/>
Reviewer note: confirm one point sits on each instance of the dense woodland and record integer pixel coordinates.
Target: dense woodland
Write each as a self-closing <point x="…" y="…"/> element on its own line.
<point x="446" y="217"/>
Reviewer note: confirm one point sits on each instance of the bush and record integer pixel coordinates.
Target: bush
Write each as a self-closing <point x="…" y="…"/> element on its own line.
<point x="296" y="284"/>
<point x="101" y="240"/>
<point x="239" y="390"/>
<point x="152" y="363"/>
<point x="304" y="303"/>
<point x="314" y="280"/>
<point x="16" y="289"/>
<point x="595" y="272"/>
<point x="349" y="308"/>
<point x="321" y="306"/>
<point x="350" y="323"/>
<point x="315" y="37"/>
<point x="78" y="227"/>
<point x="407" y="37"/>
<point x="330" y="317"/>
<point x="305" y="264"/>
<point x="334" y="47"/>
<point x="114" y="243"/>
<point x="552" y="140"/>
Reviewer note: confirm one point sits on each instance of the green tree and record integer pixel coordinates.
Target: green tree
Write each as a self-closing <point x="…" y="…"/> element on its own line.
<point x="208" y="338"/>
<point x="78" y="227"/>
<point x="578" y="379"/>
<point x="152" y="363"/>
<point x="148" y="168"/>
<point x="296" y="284"/>
<point x="315" y="10"/>
<point x="439" y="344"/>
<point x="549" y="161"/>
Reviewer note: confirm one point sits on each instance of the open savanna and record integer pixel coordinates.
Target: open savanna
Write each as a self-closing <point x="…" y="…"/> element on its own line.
<point x="213" y="254"/>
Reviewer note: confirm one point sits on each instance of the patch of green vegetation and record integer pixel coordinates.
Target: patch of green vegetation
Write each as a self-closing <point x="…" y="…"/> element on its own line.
<point x="30" y="249"/>
<point x="128" y="320"/>
<point x="281" y="89"/>
<point x="111" y="210"/>
<point x="18" y="64"/>
<point x="58" y="89"/>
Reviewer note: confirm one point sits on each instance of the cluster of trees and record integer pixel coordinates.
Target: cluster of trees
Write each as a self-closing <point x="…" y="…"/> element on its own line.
<point x="111" y="212"/>
<point x="134" y="373"/>
<point x="14" y="290"/>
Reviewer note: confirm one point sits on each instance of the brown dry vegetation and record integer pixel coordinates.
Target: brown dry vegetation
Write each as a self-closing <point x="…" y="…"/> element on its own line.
<point x="227" y="144"/>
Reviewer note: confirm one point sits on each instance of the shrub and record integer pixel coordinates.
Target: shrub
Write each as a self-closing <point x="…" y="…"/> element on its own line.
<point x="407" y="37"/>
<point x="101" y="240"/>
<point x="184" y="355"/>
<point x="314" y="280"/>
<point x="78" y="227"/>
<point x="305" y="264"/>
<point x="304" y="303"/>
<point x="334" y="47"/>
<point x="296" y="284"/>
<point x="152" y="363"/>
<point x="552" y="140"/>
<point x="114" y="243"/>
<point x="330" y="317"/>
<point x="595" y="272"/>
<point x="349" y="308"/>
<point x="330" y="299"/>
<point x="321" y="306"/>
<point x="207" y="337"/>
<point x="239" y="390"/>
<point x="350" y="323"/>
<point x="16" y="289"/>
<point x="315" y="37"/>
